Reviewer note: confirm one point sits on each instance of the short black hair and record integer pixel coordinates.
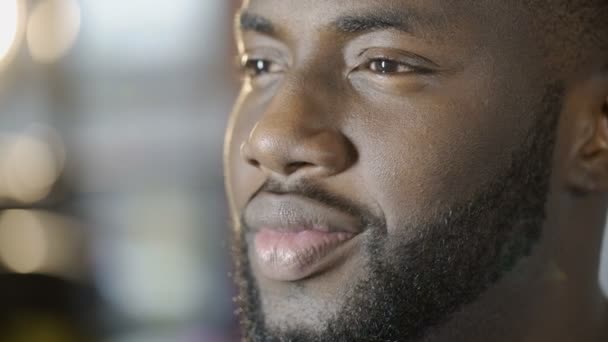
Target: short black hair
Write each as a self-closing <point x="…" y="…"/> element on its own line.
<point x="575" y="31"/>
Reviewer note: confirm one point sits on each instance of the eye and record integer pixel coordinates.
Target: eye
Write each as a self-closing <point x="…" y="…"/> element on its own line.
<point x="254" y="67"/>
<point x="388" y="66"/>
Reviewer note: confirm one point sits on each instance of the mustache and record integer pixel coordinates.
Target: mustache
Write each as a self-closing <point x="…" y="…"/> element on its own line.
<point x="312" y="191"/>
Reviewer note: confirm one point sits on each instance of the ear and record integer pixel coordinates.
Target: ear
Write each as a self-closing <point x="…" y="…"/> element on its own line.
<point x="587" y="107"/>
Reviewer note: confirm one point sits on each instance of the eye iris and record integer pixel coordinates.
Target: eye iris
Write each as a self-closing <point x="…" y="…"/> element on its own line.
<point x="261" y="66"/>
<point x="384" y="66"/>
<point x="256" y="67"/>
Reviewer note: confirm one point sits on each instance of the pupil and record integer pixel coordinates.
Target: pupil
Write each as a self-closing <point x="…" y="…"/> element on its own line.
<point x="257" y="67"/>
<point x="261" y="66"/>
<point x="387" y="67"/>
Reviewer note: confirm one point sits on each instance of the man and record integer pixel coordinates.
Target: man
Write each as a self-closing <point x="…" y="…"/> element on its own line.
<point x="408" y="170"/>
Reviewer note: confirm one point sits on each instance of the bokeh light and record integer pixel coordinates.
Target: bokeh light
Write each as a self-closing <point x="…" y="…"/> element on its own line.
<point x="33" y="241"/>
<point x="23" y="241"/>
<point x="52" y="29"/>
<point x="10" y="27"/>
<point x="29" y="166"/>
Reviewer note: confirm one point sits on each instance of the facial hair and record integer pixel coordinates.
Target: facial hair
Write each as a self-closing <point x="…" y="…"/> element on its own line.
<point x="416" y="284"/>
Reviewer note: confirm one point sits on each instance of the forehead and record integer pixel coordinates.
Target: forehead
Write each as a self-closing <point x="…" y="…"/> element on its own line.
<point x="323" y="9"/>
<point x="439" y="20"/>
<point x="336" y="6"/>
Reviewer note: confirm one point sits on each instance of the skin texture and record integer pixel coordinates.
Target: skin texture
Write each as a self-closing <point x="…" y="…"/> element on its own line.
<point x="478" y="171"/>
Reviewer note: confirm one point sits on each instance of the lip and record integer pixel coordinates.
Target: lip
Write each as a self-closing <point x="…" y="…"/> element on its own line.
<point x="294" y="238"/>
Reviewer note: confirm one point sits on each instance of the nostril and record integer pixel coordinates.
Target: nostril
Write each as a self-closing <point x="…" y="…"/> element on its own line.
<point x="295" y="166"/>
<point x="248" y="157"/>
<point x="253" y="162"/>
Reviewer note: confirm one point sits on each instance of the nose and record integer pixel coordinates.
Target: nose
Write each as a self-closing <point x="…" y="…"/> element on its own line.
<point x="294" y="135"/>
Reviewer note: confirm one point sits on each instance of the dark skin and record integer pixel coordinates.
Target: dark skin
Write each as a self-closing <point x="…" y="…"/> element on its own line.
<point x="404" y="117"/>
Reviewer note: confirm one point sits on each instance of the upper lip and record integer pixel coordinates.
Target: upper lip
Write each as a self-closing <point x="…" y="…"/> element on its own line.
<point x="293" y="213"/>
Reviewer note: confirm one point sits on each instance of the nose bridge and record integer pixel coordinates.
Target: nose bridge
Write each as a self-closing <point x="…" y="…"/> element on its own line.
<point x="309" y="89"/>
<point x="298" y="130"/>
<point x="297" y="108"/>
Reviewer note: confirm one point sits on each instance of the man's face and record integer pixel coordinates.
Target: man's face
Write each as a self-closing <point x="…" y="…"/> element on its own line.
<point x="386" y="163"/>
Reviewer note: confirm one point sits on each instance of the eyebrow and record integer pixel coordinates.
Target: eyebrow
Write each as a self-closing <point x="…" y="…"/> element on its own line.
<point x="405" y="21"/>
<point x="374" y="21"/>
<point x="253" y="22"/>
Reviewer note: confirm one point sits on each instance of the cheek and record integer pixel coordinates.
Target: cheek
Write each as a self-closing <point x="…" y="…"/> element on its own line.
<point x="427" y="155"/>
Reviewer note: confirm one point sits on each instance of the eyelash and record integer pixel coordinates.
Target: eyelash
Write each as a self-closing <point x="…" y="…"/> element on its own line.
<point x="256" y="67"/>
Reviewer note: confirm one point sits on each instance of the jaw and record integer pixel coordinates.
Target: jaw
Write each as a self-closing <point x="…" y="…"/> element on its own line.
<point x="310" y="303"/>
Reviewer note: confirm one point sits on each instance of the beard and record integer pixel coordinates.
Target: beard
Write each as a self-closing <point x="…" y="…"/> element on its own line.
<point x="414" y="285"/>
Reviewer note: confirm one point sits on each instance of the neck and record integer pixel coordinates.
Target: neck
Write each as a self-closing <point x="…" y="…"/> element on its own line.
<point x="552" y="295"/>
<point x="536" y="303"/>
<point x="569" y="304"/>
<point x="565" y="310"/>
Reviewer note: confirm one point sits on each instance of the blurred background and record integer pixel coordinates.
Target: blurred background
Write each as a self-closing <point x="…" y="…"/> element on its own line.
<point x="113" y="224"/>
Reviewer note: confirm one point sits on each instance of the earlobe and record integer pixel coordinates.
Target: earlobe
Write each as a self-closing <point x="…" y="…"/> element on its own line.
<point x="588" y="171"/>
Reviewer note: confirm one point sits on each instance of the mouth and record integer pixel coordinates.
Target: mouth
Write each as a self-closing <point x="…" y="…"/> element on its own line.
<point x="293" y="238"/>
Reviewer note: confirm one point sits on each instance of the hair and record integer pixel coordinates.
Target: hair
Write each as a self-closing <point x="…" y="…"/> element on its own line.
<point x="575" y="32"/>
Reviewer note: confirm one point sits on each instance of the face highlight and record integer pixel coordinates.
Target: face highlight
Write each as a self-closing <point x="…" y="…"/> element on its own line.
<point x="385" y="164"/>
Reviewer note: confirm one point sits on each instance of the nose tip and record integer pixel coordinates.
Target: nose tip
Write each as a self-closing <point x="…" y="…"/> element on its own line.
<point x="322" y="153"/>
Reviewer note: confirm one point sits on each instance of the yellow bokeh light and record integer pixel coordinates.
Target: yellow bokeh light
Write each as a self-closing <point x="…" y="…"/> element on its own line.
<point x="33" y="241"/>
<point x="10" y="27"/>
<point x="52" y="29"/>
<point x="23" y="241"/>
<point x="9" y="16"/>
<point x="28" y="168"/>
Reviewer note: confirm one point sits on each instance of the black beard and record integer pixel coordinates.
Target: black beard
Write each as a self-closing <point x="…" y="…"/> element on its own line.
<point x="415" y="285"/>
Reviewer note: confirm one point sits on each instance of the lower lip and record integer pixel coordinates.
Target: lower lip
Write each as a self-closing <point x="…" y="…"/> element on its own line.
<point x="291" y="256"/>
